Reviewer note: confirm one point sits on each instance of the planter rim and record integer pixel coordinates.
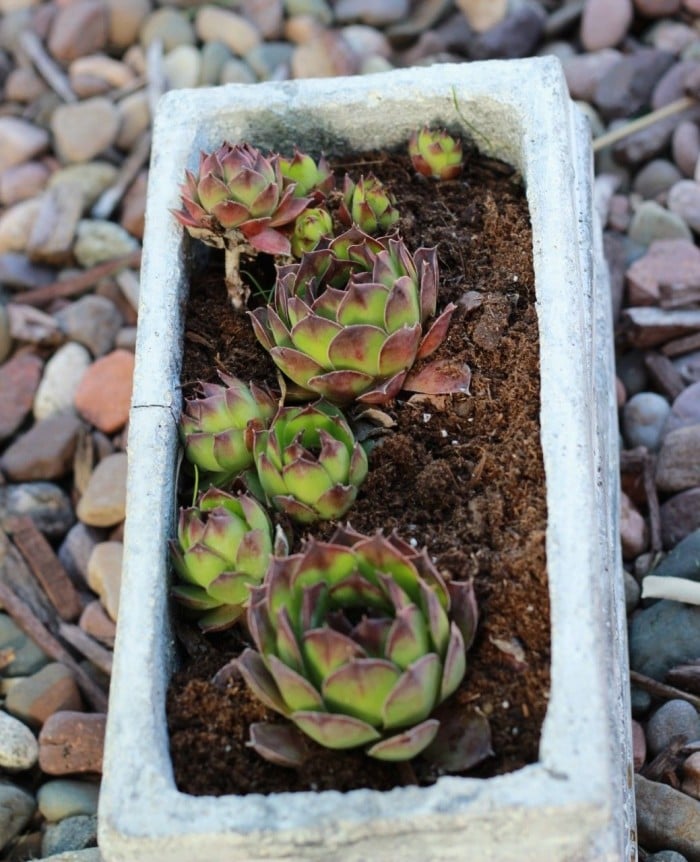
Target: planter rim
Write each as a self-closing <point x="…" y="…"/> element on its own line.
<point x="578" y="779"/>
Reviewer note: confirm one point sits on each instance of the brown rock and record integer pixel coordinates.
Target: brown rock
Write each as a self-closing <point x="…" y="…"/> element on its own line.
<point x="668" y="261"/>
<point x="19" y="379"/>
<point x="45" y="451"/>
<point x="24" y="85"/>
<point x="104" y="394"/>
<point x="72" y="742"/>
<point x="22" y="182"/>
<point x="95" y="622"/>
<point x="678" y="465"/>
<point x="78" y="29"/>
<point x="605" y="22"/>
<point x="680" y="516"/>
<point x="52" y="234"/>
<point x="52" y="689"/>
<point x="633" y="529"/>
<point x="325" y="56"/>
<point x="20" y="141"/>
<point x="667" y="819"/>
<point x="657" y="8"/>
<point x="691" y="775"/>
<point x="134" y="206"/>
<point x="639" y="745"/>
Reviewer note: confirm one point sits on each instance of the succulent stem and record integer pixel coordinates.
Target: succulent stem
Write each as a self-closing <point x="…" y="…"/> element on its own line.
<point x="238" y="290"/>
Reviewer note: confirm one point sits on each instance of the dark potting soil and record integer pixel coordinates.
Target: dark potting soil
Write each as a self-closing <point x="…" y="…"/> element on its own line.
<point x="461" y="474"/>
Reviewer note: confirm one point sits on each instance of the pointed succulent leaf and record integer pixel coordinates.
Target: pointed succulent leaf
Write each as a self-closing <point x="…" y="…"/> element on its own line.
<point x="436" y="616"/>
<point x="260" y="681"/>
<point x="437" y="332"/>
<point x="340" y="386"/>
<point x="298" y="366"/>
<point x="371" y="633"/>
<point x="415" y="694"/>
<point x="363" y="303"/>
<point x="287" y="648"/>
<point x="360" y="687"/>
<point x="464" y="609"/>
<point x="313" y="336"/>
<point x="461" y="743"/>
<point x="193" y="597"/>
<point x="402" y="306"/>
<point x="219" y="619"/>
<point x="231" y="588"/>
<point x="407" y="639"/>
<point x="335" y="731"/>
<point x="281" y="744"/>
<point x="440" y="377"/>
<point x="297" y="692"/>
<point x="325" y="650"/>
<point x="357" y="348"/>
<point x="406" y="745"/>
<point x="454" y="665"/>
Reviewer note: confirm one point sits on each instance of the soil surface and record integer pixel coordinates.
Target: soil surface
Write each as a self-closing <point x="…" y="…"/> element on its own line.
<point x="461" y="474"/>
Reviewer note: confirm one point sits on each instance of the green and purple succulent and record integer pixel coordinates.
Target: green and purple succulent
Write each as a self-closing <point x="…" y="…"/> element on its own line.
<point x="310" y="229"/>
<point x="309" y="178"/>
<point x="368" y="204"/>
<point x="223" y="546"/>
<point x="309" y="464"/>
<point x="435" y="153"/>
<point x="358" y="640"/>
<point x="216" y="428"/>
<point x="349" y="321"/>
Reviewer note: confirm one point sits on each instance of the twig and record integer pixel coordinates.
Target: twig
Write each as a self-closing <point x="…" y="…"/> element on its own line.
<point x="127" y="174"/>
<point x="660" y="689"/>
<point x="687" y="676"/>
<point x="96" y="653"/>
<point x="82" y="282"/>
<point x="670" y="110"/>
<point x="34" y="629"/>
<point x="674" y="589"/>
<point x="47" y="68"/>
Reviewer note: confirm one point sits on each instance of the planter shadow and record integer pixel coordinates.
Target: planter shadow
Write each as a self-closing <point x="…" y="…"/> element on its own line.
<point x="576" y="802"/>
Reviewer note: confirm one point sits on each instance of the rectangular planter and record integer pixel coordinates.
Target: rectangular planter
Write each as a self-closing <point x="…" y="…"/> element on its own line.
<point x="573" y="804"/>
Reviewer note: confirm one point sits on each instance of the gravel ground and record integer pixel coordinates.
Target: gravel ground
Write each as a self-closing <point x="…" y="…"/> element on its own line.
<point x="80" y="78"/>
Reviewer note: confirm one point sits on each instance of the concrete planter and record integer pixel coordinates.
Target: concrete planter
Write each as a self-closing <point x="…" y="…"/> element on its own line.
<point x="575" y="803"/>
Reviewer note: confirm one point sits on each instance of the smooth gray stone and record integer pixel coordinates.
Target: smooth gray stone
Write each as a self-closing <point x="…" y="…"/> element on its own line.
<point x="16" y="809"/>
<point x="48" y="506"/>
<point x="662" y="636"/>
<point x="73" y="833"/>
<point x="683" y="561"/>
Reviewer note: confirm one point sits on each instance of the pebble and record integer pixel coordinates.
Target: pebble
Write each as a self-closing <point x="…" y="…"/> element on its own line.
<point x="483" y="14"/>
<point x="84" y="129"/>
<point x="183" y="67"/>
<point x="169" y="26"/>
<point x="72" y="742"/>
<point x="28" y="658"/>
<point x="627" y="87"/>
<point x="685" y="409"/>
<point x="676" y="718"/>
<point x="125" y="20"/>
<point x="685" y="147"/>
<point x="45" y="451"/>
<point x="78" y="29"/>
<point x="666" y="856"/>
<point x="269" y="57"/>
<point x="104" y="394"/>
<point x="237" y="71"/>
<point x="324" y="56"/>
<point x="19" y="380"/>
<point x="20" y="141"/>
<point x="632" y="372"/>
<point x="376" y="13"/>
<point x="23" y="181"/>
<point x="34" y="698"/>
<point x="643" y="419"/>
<point x="678" y="466"/>
<point x="66" y="797"/>
<point x="671" y="85"/>
<point x="5" y="335"/>
<point x="214" y="56"/>
<point x="639" y="147"/>
<point x="74" y="552"/>
<point x="16" y="809"/>
<point x="680" y="516"/>
<point x="517" y="35"/>
<point x="655" y="179"/>
<point x="16" y="223"/>
<point x="97" y="74"/>
<point x="652" y="222"/>
<point x="666" y="818"/>
<point x="633" y="530"/>
<point x="134" y="118"/>
<point x="24" y="85"/>
<point x="92" y="321"/>
<point x="133" y="210"/>
<point x="669" y="35"/>
<point x="60" y="380"/>
<point x="684" y="200"/>
<point x="672" y="261"/>
<point x="683" y="561"/>
<point x="657" y="8"/>
<point x="51" y="237"/>
<point x="104" y="574"/>
<point x="639" y="746"/>
<point x="104" y="501"/>
<point x="90" y="179"/>
<point x="72" y="833"/>
<point x="47" y="504"/>
<point x="18" y="747"/>
<point x="662" y="636"/>
<point x="99" y="241"/>
<point x="604" y="23"/>
<point x="318" y="9"/>
<point x="632" y="591"/>
<point x="213" y="24"/>
<point x="691" y="775"/>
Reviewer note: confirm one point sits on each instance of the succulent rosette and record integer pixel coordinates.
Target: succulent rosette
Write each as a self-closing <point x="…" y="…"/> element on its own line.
<point x="223" y="546"/>
<point x="308" y="177"/>
<point x="348" y="322"/>
<point x="357" y="641"/>
<point x="368" y="204"/>
<point x="312" y="226"/>
<point x="309" y="464"/>
<point x="216" y="428"/>
<point x="435" y="153"/>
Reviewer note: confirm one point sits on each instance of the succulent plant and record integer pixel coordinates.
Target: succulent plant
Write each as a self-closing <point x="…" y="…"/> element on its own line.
<point x="309" y="463"/>
<point x="368" y="204"/>
<point x="310" y="228"/>
<point x="308" y="177"/>
<point x="357" y="641"/>
<point x="347" y="322"/>
<point x="239" y="201"/>
<point x="435" y="153"/>
<point x="223" y="546"/>
<point x="216" y="429"/>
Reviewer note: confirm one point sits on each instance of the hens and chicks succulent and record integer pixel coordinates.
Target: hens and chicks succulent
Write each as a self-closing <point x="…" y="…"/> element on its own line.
<point x="357" y="639"/>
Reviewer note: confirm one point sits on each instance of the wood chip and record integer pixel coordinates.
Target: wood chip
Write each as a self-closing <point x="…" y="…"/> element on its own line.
<point x="660" y="689"/>
<point x="685" y="676"/>
<point x="45" y="566"/>
<point x="679" y="346"/>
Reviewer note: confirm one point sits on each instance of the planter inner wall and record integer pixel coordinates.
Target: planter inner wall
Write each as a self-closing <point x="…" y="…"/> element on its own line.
<point x="575" y="802"/>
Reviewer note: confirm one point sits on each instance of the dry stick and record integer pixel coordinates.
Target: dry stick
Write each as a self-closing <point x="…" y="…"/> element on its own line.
<point x="127" y="174"/>
<point x="80" y="283"/>
<point x="630" y="128"/>
<point x="95" y="652"/>
<point x="47" y="68"/>
<point x="660" y="689"/>
<point x="35" y="630"/>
